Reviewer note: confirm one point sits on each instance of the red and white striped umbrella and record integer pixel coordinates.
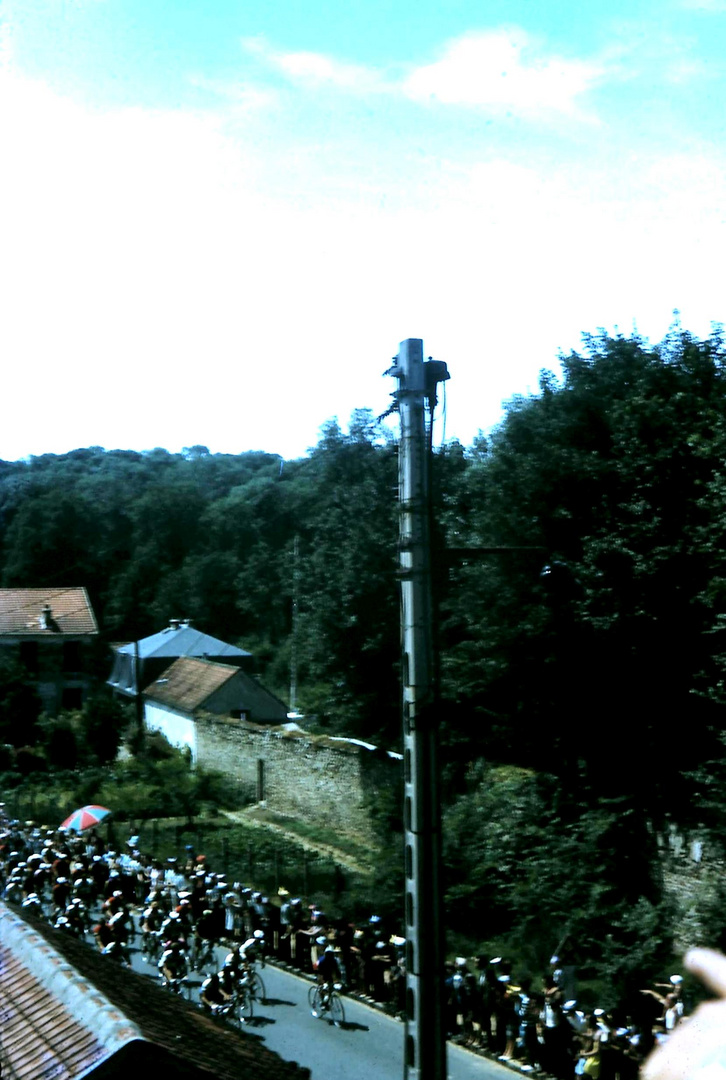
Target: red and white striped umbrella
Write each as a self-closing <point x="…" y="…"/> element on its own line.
<point x="85" y="817"/>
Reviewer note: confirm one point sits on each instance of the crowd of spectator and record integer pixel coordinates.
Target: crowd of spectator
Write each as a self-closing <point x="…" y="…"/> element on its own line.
<point x="116" y="897"/>
<point x="542" y="1028"/>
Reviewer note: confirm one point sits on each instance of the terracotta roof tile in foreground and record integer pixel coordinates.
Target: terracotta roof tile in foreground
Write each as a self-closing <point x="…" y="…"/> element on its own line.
<point x="67" y="1011"/>
<point x="39" y="1037"/>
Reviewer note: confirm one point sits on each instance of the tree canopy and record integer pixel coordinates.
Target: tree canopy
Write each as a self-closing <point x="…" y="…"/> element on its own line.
<point x="596" y="654"/>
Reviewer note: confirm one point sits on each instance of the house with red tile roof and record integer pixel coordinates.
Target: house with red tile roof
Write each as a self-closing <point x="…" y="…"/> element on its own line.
<point x="51" y="631"/>
<point x="191" y="686"/>
<point x="233" y="725"/>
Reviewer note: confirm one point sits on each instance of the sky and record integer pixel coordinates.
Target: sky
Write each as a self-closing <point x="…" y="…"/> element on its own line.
<point x="219" y="219"/>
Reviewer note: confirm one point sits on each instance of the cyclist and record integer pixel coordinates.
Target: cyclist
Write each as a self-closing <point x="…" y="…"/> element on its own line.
<point x="172" y="927"/>
<point x="214" y="996"/>
<point x="234" y="959"/>
<point x="173" y="964"/>
<point x="150" y="929"/>
<point x="33" y="903"/>
<point x="254" y="948"/>
<point x="116" y="951"/>
<point x="228" y="978"/>
<point x="327" y="970"/>
<point x="77" y="914"/>
<point x="204" y="939"/>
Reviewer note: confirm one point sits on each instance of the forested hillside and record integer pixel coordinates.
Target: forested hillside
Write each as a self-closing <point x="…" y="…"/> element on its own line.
<point x="581" y="669"/>
<point x="212" y="537"/>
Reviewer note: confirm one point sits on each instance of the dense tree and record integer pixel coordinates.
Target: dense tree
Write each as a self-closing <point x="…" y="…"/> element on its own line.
<point x="593" y="669"/>
<point x="348" y="615"/>
<point x="529" y="880"/>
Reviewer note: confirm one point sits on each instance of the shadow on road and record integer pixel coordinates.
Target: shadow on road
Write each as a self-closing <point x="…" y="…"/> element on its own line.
<point x="259" y="1021"/>
<point x="348" y="1025"/>
<point x="278" y="1001"/>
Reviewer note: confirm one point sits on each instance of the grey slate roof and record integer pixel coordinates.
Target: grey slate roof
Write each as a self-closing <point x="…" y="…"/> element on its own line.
<point x="184" y="640"/>
<point x="180" y="638"/>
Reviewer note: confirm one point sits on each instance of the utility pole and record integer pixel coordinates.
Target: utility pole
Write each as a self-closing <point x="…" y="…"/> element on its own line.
<point x="293" y="636"/>
<point x="425" y="1048"/>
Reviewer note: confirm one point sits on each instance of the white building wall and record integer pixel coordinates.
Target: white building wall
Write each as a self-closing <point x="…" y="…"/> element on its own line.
<point x="178" y="729"/>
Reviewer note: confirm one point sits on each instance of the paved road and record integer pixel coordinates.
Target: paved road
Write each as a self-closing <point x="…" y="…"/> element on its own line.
<point x="368" y="1045"/>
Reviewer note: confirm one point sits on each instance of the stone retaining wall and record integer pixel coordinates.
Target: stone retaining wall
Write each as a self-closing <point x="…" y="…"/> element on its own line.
<point x="326" y="781"/>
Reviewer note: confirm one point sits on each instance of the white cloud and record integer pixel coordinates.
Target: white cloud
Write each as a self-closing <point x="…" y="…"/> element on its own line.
<point x="316" y="69"/>
<point x="499" y="69"/>
<point x="683" y="71"/>
<point x="503" y="69"/>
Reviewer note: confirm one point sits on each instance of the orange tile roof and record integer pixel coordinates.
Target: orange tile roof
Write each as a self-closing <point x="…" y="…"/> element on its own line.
<point x="21" y="612"/>
<point x="40" y="1038"/>
<point x="66" y="1011"/>
<point x="188" y="682"/>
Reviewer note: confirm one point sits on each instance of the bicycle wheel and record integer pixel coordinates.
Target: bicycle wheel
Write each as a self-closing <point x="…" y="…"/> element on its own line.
<point x="257" y="988"/>
<point x="337" y="1013"/>
<point x="312" y="991"/>
<point x="316" y="1002"/>
<point x="245" y="1008"/>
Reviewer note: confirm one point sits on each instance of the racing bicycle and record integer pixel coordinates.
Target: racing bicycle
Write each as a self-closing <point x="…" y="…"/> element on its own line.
<point x="325" y="1000"/>
<point x="251" y="980"/>
<point x="239" y="1008"/>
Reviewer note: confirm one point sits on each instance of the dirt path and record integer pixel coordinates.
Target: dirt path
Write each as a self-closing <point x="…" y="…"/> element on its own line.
<point x="357" y="864"/>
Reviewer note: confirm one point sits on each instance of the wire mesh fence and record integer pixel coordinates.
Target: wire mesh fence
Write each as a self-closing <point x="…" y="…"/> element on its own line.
<point x="252" y="856"/>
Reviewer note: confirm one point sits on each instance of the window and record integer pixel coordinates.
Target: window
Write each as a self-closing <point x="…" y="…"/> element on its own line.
<point x="72" y="697"/>
<point x="71" y="656"/>
<point x="29" y="655"/>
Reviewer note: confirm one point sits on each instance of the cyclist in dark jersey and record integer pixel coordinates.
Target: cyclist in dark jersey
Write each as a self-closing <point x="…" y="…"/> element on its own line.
<point x="214" y="997"/>
<point x="327" y="969"/>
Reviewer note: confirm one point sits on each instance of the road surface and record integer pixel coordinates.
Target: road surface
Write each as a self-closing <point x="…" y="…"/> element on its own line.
<point x="369" y="1046"/>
